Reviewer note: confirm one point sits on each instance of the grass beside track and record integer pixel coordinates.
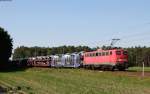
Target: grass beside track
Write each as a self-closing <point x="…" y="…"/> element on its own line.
<point x="72" y="81"/>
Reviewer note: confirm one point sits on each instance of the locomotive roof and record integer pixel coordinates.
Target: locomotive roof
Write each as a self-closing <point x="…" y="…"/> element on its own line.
<point x="99" y="50"/>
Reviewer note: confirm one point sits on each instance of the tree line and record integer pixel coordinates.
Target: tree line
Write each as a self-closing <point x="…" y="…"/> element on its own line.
<point x="25" y="52"/>
<point x="137" y="55"/>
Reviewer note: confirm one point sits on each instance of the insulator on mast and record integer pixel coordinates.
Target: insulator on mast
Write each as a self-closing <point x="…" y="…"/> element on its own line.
<point x="113" y="42"/>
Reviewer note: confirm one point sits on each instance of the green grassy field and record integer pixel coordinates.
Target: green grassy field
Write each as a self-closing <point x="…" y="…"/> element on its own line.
<point x="73" y="81"/>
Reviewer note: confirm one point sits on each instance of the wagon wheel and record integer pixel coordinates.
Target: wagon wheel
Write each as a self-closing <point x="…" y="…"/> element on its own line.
<point x="121" y="69"/>
<point x="92" y="67"/>
<point x="112" y="68"/>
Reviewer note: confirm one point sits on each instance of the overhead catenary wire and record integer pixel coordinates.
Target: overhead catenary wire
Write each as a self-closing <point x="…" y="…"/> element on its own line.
<point x="136" y="34"/>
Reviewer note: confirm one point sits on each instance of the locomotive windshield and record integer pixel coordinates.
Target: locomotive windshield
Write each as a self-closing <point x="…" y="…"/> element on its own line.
<point x="125" y="52"/>
<point x="118" y="52"/>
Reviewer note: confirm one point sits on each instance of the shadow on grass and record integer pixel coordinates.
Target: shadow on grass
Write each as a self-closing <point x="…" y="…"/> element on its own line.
<point x="13" y="66"/>
<point x="7" y="67"/>
<point x="13" y="69"/>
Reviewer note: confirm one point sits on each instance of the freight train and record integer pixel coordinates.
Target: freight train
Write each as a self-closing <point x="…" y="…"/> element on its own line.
<point x="100" y="59"/>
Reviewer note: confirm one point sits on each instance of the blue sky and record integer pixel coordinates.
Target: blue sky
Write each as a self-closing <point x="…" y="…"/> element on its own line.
<point x="76" y="22"/>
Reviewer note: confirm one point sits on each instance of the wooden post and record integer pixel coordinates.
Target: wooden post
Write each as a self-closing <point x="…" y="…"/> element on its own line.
<point x="143" y="70"/>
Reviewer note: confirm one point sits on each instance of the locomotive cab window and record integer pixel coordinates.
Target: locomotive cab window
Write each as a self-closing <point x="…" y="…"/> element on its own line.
<point x="118" y="52"/>
<point x="103" y="53"/>
<point x="110" y="52"/>
<point x="99" y="54"/>
<point x="90" y="54"/>
<point x="125" y="52"/>
<point x="96" y="54"/>
<point x="107" y="53"/>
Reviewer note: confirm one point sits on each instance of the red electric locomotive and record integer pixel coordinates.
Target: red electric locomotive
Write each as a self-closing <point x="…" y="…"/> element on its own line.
<point x="113" y="59"/>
